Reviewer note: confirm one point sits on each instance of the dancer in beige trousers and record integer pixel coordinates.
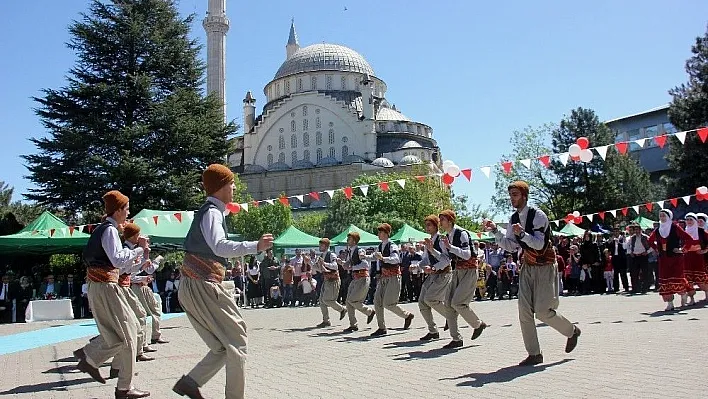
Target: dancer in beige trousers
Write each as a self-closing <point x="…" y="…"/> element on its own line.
<point x="359" y="286"/>
<point x="209" y="305"/>
<point x="326" y="263"/>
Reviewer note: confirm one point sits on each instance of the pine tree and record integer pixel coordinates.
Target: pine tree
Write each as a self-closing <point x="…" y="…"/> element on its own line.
<point x="132" y="115"/>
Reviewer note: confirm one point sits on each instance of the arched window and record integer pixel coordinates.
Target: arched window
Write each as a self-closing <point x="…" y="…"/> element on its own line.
<point x="281" y="157"/>
<point x="306" y="155"/>
<point x="344" y="82"/>
<point x="313" y="83"/>
<point x="270" y="159"/>
<point x="299" y="84"/>
<point x="277" y="89"/>
<point x="329" y="82"/>
<point x="305" y="124"/>
<point x="281" y="142"/>
<point x="319" y="154"/>
<point x="287" y="87"/>
<point x="332" y="152"/>
<point x="331" y="136"/>
<point x="292" y="126"/>
<point x="304" y="110"/>
<point x="293" y="141"/>
<point x="318" y="138"/>
<point x="345" y="151"/>
<point x="293" y="157"/>
<point x="306" y="139"/>
<point x="318" y="123"/>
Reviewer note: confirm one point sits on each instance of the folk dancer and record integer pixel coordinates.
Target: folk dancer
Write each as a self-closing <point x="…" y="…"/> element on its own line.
<point x="666" y="239"/>
<point x="703" y="225"/>
<point x="694" y="263"/>
<point x="326" y="263"/>
<point x="530" y="230"/>
<point x="359" y="286"/>
<point x="463" y="258"/>
<point x="105" y="257"/>
<point x="208" y="304"/>
<point x="388" y="286"/>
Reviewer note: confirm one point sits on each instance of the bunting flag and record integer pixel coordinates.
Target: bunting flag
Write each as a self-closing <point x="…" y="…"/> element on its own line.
<point x="284" y="201"/>
<point x="364" y="189"/>
<point x="256" y="204"/>
<point x="330" y="193"/>
<point x="624" y="211"/>
<point x="51" y="232"/>
<point x="71" y="230"/>
<point x="649" y="206"/>
<point x="602" y="151"/>
<point x="486" y="170"/>
<point x="467" y="173"/>
<point x="681" y="136"/>
<point x="154" y="218"/>
<point x="703" y="134"/>
<point x="660" y="140"/>
<point x="270" y="201"/>
<point x="526" y="162"/>
<point x="660" y="203"/>
<point x="300" y="198"/>
<point x="613" y="213"/>
<point x="636" y="209"/>
<point x="244" y="206"/>
<point x="402" y="182"/>
<point x="557" y="223"/>
<point x="168" y="218"/>
<point x="178" y="216"/>
<point x="348" y="192"/>
<point x="507" y="166"/>
<point x="545" y="160"/>
<point x="420" y="178"/>
<point x="674" y="202"/>
<point x="564" y="158"/>
<point x="315" y="195"/>
<point x="640" y="142"/>
<point x="622" y="147"/>
<point x="687" y="199"/>
<point x="601" y="215"/>
<point x="383" y="186"/>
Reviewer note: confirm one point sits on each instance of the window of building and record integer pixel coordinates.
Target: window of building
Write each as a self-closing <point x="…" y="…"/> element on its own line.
<point x="287" y="87"/>
<point x="277" y="89"/>
<point x="270" y="148"/>
<point x="382" y="127"/>
<point x="668" y="128"/>
<point x="328" y="84"/>
<point x="306" y="155"/>
<point x="299" y="84"/>
<point x="293" y="141"/>
<point x="632" y="135"/>
<point x="649" y="133"/>
<point x="344" y="82"/>
<point x="319" y="154"/>
<point x="306" y="139"/>
<point x="292" y="126"/>
<point x="356" y="84"/>
<point x="293" y="157"/>
<point x="313" y="83"/>
<point x="318" y="138"/>
<point x="419" y="130"/>
<point x="345" y="151"/>
<point x="270" y="159"/>
<point x="331" y="136"/>
<point x="281" y="142"/>
<point x="304" y="110"/>
<point x="318" y="123"/>
<point x="332" y="152"/>
<point x="281" y="157"/>
<point x="345" y="139"/>
<point x="305" y="124"/>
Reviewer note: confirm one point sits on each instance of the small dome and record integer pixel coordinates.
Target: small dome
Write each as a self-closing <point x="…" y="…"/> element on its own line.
<point x="253" y="169"/>
<point x="410" y="144"/>
<point x="324" y="57"/>
<point x="327" y="161"/>
<point x="279" y="166"/>
<point x="387" y="113"/>
<point x="349" y="159"/>
<point x="382" y="162"/>
<point x="303" y="164"/>
<point x="410" y="160"/>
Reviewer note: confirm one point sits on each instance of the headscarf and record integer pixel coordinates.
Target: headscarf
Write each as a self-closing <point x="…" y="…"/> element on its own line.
<point x="665" y="227"/>
<point x="693" y="229"/>
<point x="703" y="217"/>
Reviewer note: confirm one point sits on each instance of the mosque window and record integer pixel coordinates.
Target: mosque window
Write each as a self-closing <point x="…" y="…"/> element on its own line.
<point x="331" y="136"/>
<point x="332" y="152"/>
<point x="356" y="84"/>
<point x="345" y="151"/>
<point x="281" y="142"/>
<point x="293" y="157"/>
<point x="277" y="89"/>
<point x="329" y="83"/>
<point x="292" y="126"/>
<point x="382" y="127"/>
<point x="270" y="148"/>
<point x="317" y="111"/>
<point x="331" y="124"/>
<point x="344" y="82"/>
<point x="299" y="84"/>
<point x="305" y="124"/>
<point x="270" y="159"/>
<point x="281" y="157"/>
<point x="304" y="110"/>
<point x="313" y="84"/>
<point x="319" y="154"/>
<point x="287" y="87"/>
<point x="318" y="123"/>
<point x="306" y="155"/>
<point x="293" y="141"/>
<point x="345" y="139"/>
<point x="306" y="139"/>
<point x="282" y="130"/>
<point x="318" y="138"/>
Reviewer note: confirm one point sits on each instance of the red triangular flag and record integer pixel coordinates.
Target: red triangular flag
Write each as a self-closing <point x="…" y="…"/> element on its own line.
<point x="467" y="173"/>
<point x="51" y="232"/>
<point x="284" y="201"/>
<point x="383" y="186"/>
<point x="625" y="210"/>
<point x="507" y="166"/>
<point x="660" y="140"/>
<point x="90" y="227"/>
<point x="545" y="160"/>
<point x="649" y="205"/>
<point x="255" y="204"/>
<point x="71" y="230"/>
<point x="315" y="195"/>
<point x="154" y="218"/>
<point x="622" y="147"/>
<point x="348" y="192"/>
<point x="674" y="202"/>
<point x="178" y="216"/>
<point x="420" y="178"/>
<point x="479" y="235"/>
<point x="601" y="215"/>
<point x="703" y="134"/>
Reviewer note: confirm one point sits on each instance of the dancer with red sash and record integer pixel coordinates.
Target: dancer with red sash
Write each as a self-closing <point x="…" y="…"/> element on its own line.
<point x="666" y="239"/>
<point x="359" y="286"/>
<point x="694" y="262"/>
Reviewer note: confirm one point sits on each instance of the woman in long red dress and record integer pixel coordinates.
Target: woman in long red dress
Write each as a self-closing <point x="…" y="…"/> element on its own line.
<point x="667" y="241"/>
<point x="694" y="263"/>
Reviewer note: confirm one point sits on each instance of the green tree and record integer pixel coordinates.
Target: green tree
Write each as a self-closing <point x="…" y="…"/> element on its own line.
<point x="689" y="110"/>
<point x="262" y="219"/>
<point x="469" y="215"/>
<point x="15" y="215"/>
<point x="311" y="223"/>
<point x="132" y="115"/>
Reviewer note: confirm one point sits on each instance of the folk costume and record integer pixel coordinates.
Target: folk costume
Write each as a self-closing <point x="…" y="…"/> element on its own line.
<point x="666" y="239"/>
<point x="327" y="264"/>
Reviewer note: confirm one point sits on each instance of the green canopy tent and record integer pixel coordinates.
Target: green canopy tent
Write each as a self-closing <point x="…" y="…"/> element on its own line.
<point x="46" y="235"/>
<point x="644" y="223"/>
<point x="294" y="238"/>
<point x="571" y="230"/>
<point x="166" y="229"/>
<point x="483" y="237"/>
<point x="366" y="237"/>
<point x="409" y="234"/>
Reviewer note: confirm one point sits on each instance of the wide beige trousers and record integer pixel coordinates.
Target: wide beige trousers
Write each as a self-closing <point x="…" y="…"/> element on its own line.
<point x="118" y="328"/>
<point x="388" y="290"/>
<point x="216" y="318"/>
<point x="152" y="308"/>
<point x="462" y="287"/>
<point x="538" y="295"/>
<point x="433" y="295"/>
<point x="328" y="297"/>
<point x="356" y="294"/>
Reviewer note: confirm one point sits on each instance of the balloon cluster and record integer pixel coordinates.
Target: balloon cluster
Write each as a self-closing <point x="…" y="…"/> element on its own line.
<point x="574" y="218"/>
<point x="233" y="207"/>
<point x="580" y="151"/>
<point x="702" y="193"/>
<point x="451" y="171"/>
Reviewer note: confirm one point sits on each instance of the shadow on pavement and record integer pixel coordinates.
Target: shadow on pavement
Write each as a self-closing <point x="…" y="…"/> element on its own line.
<point x="46" y="386"/>
<point x="502" y="375"/>
<point x="431" y="354"/>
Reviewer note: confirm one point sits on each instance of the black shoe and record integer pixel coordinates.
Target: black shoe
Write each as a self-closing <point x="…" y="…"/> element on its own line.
<point x="453" y="345"/>
<point x="149" y="349"/>
<point x="447" y="327"/>
<point x="378" y="333"/>
<point x="572" y="341"/>
<point x="186" y="386"/>
<point x="409" y="320"/>
<point x="342" y="314"/>
<point x="113" y="373"/>
<point x="131" y="394"/>
<point x="430" y="336"/>
<point x="351" y="329"/>
<point x="324" y="324"/>
<point x="79" y="354"/>
<point x="532" y="360"/>
<point x="85" y="367"/>
<point x="371" y="317"/>
<point x="144" y="358"/>
<point x="478" y="331"/>
<point x="159" y="341"/>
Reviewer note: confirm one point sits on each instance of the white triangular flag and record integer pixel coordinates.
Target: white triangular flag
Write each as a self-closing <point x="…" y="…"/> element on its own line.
<point x="590" y="216"/>
<point x="330" y="193"/>
<point x="270" y="201"/>
<point x="602" y="151"/>
<point x="640" y="142"/>
<point x="244" y="206"/>
<point x="613" y="213"/>
<point x="81" y="228"/>
<point x="364" y="189"/>
<point x="300" y="198"/>
<point x="401" y="182"/>
<point x="661" y="204"/>
<point x="167" y="216"/>
<point x="144" y="219"/>
<point x="190" y="214"/>
<point x="636" y="209"/>
<point x="526" y="162"/>
<point x="687" y="200"/>
<point x="681" y="136"/>
<point x="557" y="223"/>
<point x="564" y="158"/>
<point x="486" y="170"/>
<point x="64" y="230"/>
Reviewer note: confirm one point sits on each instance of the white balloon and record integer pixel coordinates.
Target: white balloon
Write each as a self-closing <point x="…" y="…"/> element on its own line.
<point x="574" y="150"/>
<point x="576" y="214"/>
<point x="453" y="170"/>
<point x="703" y="190"/>
<point x="586" y="155"/>
<point x="447" y="164"/>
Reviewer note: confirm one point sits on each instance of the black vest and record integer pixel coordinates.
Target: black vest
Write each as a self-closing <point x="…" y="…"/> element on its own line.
<point x="94" y="255"/>
<point x="457" y="242"/>
<point x="386" y="252"/>
<point x="436" y="244"/>
<point x="195" y="243"/>
<point x="327" y="257"/>
<point x="528" y="228"/>
<point x="354" y="257"/>
<point x="672" y="242"/>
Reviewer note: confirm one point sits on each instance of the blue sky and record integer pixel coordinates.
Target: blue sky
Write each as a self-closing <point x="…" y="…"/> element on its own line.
<point x="474" y="71"/>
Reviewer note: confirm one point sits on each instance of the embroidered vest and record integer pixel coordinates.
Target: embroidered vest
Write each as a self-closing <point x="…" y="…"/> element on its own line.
<point x="534" y="257"/>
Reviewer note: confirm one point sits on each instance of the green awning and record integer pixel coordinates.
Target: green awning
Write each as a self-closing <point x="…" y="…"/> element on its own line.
<point x="294" y="238"/>
<point x="572" y="230"/>
<point x="46" y="235"/>
<point x="166" y="229"/>
<point x="644" y="223"/>
<point x="366" y="237"/>
<point x="409" y="234"/>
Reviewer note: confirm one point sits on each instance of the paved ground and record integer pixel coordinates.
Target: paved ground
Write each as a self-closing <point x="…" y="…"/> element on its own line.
<point x="626" y="350"/>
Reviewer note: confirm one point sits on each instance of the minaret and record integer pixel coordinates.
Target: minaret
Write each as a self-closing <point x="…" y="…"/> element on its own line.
<point x="292" y="45"/>
<point x="249" y="112"/>
<point x="216" y="25"/>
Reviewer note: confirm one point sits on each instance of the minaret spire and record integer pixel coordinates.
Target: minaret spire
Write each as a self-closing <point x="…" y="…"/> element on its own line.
<point x="293" y="45"/>
<point x="216" y="25"/>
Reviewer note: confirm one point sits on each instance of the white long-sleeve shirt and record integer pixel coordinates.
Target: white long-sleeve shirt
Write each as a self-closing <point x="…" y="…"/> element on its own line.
<point x="507" y="239"/>
<point x="392" y="259"/>
<point x="121" y="258"/>
<point x="329" y="266"/>
<point x="363" y="263"/>
<point x="442" y="257"/>
<point x="464" y="252"/>
<point x="214" y="233"/>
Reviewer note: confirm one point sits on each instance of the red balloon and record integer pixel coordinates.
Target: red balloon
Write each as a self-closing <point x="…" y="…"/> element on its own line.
<point x="578" y="220"/>
<point x="447" y="179"/>
<point x="583" y="142"/>
<point x="233" y="207"/>
<point x="569" y="218"/>
<point x="700" y="196"/>
<point x="575" y="158"/>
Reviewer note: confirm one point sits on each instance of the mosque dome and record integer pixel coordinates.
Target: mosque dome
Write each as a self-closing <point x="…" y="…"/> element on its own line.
<point x="382" y="162"/>
<point x="410" y="160"/>
<point x="324" y="57"/>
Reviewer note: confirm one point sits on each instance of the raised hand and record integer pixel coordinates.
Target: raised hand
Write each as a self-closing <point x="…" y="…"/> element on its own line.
<point x="265" y="242"/>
